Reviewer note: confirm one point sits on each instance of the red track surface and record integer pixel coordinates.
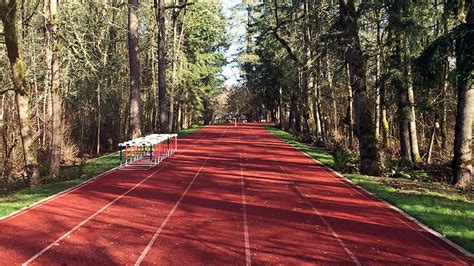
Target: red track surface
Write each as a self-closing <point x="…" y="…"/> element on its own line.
<point x="231" y="195"/>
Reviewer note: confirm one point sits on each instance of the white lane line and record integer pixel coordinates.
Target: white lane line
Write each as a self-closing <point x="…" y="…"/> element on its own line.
<point x="89" y="218"/>
<point x="168" y="217"/>
<point x="338" y="238"/>
<point x="98" y="212"/>
<point x="315" y="210"/>
<point x="248" y="258"/>
<point x="60" y="194"/>
<point x="384" y="204"/>
<point x="380" y="202"/>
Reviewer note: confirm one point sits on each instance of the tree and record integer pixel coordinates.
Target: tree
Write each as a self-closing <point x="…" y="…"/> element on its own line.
<point x="52" y="52"/>
<point x="462" y="160"/>
<point x="8" y="13"/>
<point x="162" y="94"/>
<point x="460" y="42"/>
<point x="369" y="161"/>
<point x="135" y="83"/>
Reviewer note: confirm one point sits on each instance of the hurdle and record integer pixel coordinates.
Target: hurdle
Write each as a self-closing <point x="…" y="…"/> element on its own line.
<point x="146" y="152"/>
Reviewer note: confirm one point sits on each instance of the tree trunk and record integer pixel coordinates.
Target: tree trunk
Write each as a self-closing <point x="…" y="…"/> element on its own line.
<point x="462" y="160"/>
<point x="333" y="96"/>
<point x="369" y="161"/>
<point x="162" y="97"/>
<point x="317" y="103"/>
<point x="350" y="110"/>
<point x="432" y="137"/>
<point x="377" y="100"/>
<point x="281" y="110"/>
<point x="173" y="70"/>
<point x="444" y="108"/>
<point x="52" y="49"/>
<point x="384" y="121"/>
<point x="8" y="13"/>
<point x="415" y="154"/>
<point x="99" y="118"/>
<point x="308" y="82"/>
<point x="292" y="119"/>
<point x="134" y="60"/>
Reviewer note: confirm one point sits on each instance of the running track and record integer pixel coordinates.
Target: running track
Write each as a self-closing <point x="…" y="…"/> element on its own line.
<point x="231" y="195"/>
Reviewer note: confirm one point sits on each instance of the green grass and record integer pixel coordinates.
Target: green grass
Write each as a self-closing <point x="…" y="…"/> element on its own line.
<point x="319" y="154"/>
<point x="69" y="176"/>
<point x="450" y="214"/>
<point x="73" y="175"/>
<point x="185" y="132"/>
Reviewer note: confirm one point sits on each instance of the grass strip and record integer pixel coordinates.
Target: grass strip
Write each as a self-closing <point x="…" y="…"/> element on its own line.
<point x="450" y="214"/>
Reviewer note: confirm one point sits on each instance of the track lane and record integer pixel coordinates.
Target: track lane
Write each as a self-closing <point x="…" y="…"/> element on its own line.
<point x="206" y="228"/>
<point x="282" y="227"/>
<point x="28" y="232"/>
<point x="370" y="228"/>
<point x="118" y="235"/>
<point x="294" y="210"/>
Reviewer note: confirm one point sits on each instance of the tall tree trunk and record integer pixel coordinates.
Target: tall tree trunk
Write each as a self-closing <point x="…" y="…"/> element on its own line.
<point x="369" y="161"/>
<point x="47" y="107"/>
<point x="462" y="160"/>
<point x="378" y="111"/>
<point x="377" y="99"/>
<point x="333" y="96"/>
<point x="162" y="97"/>
<point x="174" y="17"/>
<point x="444" y="108"/>
<point x="52" y="49"/>
<point x="308" y="82"/>
<point x="8" y="13"/>
<point x="415" y="154"/>
<point x="317" y="102"/>
<point x="134" y="60"/>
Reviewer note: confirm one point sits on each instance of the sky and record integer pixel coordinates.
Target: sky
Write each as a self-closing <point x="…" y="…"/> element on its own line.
<point x="231" y="70"/>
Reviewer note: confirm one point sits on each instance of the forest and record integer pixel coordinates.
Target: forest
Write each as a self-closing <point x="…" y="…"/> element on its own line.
<point x="385" y="85"/>
<point x="79" y="76"/>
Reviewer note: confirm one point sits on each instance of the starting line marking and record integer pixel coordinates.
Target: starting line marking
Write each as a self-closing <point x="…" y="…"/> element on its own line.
<point x="168" y="217"/>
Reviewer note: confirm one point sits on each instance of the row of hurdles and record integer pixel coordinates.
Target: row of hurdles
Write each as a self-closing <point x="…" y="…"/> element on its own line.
<point x="146" y="152"/>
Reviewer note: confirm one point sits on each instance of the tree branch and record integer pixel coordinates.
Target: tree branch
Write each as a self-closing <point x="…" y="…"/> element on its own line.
<point x="5" y="91"/>
<point x="282" y="41"/>
<point x="181" y="6"/>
